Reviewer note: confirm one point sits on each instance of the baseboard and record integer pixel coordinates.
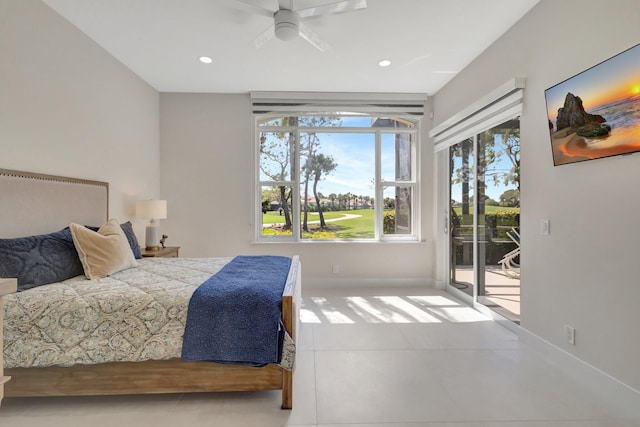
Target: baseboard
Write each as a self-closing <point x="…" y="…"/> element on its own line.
<point x="440" y="284"/>
<point x="325" y="283"/>
<point x="619" y="395"/>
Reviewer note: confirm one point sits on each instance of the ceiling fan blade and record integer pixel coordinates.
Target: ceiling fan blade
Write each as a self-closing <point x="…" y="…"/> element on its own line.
<point x="332" y="8"/>
<point x="257" y="9"/>
<point x="264" y="37"/>
<point x="313" y="38"/>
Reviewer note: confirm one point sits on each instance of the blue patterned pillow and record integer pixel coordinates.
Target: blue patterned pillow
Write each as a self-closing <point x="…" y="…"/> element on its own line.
<point x="39" y="260"/>
<point x="131" y="237"/>
<point x="127" y="227"/>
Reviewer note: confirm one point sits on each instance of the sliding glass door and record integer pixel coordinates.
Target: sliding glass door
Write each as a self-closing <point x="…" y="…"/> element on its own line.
<point x="461" y="237"/>
<point x="484" y="218"/>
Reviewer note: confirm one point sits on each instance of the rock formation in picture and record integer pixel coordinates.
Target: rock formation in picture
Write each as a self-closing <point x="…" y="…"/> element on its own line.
<point x="572" y="115"/>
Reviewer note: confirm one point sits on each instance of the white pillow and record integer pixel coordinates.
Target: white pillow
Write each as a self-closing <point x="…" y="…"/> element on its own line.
<point x="104" y="252"/>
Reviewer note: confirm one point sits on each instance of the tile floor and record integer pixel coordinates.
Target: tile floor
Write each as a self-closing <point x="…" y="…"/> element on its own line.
<point x="383" y="358"/>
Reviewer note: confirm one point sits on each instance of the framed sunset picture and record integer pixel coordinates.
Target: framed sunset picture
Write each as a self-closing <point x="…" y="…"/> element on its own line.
<point x="596" y="113"/>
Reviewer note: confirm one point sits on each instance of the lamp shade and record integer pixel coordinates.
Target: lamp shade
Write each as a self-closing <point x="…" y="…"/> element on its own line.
<point x="152" y="209"/>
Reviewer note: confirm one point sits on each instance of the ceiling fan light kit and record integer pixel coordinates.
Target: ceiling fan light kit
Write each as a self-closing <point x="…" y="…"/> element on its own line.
<point x="286" y="24"/>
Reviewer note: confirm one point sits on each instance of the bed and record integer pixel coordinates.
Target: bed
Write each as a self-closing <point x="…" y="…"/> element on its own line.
<point x="38" y="369"/>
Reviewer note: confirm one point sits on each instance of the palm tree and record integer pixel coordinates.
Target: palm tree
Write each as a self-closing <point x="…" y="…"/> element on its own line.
<point x="333" y="198"/>
<point x="342" y="201"/>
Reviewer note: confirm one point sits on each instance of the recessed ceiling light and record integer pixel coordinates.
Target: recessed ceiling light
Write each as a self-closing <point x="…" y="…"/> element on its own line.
<point x="384" y="63"/>
<point x="205" y="60"/>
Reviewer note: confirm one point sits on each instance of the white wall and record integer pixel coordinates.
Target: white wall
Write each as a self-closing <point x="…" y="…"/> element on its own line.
<point x="586" y="272"/>
<point x="207" y="162"/>
<point x="69" y="108"/>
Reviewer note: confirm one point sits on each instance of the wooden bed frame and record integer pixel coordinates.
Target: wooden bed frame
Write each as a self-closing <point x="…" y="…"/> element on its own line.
<point x="32" y="193"/>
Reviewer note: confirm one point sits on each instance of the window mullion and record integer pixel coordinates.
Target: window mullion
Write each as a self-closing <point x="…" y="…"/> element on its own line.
<point x="379" y="190"/>
<point x="295" y="196"/>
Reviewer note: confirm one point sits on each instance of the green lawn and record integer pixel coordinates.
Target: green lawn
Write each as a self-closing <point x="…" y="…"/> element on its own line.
<point x="273" y="217"/>
<point x="361" y="227"/>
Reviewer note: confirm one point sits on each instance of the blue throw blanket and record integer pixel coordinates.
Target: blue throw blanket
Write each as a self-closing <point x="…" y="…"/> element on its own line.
<point x="234" y="316"/>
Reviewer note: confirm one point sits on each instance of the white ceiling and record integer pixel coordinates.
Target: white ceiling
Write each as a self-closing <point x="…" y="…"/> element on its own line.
<point x="428" y="42"/>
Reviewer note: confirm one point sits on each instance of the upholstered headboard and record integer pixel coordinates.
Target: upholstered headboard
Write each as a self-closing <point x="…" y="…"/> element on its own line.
<point x="32" y="203"/>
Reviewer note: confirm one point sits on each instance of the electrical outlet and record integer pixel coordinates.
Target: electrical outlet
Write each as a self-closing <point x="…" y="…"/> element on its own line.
<point x="335" y="268"/>
<point x="570" y="334"/>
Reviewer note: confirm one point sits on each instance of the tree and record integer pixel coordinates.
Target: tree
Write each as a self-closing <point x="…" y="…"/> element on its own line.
<point x="275" y="162"/>
<point x="389" y="203"/>
<point x="510" y="198"/>
<point x="511" y="148"/>
<point x="320" y="165"/>
<point x="309" y="148"/>
<point x="464" y="150"/>
<point x="307" y="170"/>
<point x="500" y="142"/>
<point x="343" y="201"/>
<point x="333" y="197"/>
<point x="269" y="195"/>
<point x="504" y="141"/>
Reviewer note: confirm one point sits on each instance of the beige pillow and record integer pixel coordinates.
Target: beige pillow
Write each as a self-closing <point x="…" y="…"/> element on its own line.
<point x="104" y="252"/>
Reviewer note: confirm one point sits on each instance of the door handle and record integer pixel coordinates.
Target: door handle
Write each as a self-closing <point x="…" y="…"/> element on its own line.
<point x="446" y="222"/>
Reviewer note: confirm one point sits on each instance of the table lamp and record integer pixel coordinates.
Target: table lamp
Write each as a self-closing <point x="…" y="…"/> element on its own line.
<point x="154" y="210"/>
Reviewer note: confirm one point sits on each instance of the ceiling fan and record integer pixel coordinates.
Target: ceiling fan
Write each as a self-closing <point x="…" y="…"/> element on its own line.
<point x="287" y="23"/>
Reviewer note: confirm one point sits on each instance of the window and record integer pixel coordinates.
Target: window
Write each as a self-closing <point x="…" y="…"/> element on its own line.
<point x="328" y="177"/>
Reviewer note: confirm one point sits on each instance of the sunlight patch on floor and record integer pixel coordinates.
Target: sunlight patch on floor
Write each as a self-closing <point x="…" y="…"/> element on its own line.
<point x="403" y="309"/>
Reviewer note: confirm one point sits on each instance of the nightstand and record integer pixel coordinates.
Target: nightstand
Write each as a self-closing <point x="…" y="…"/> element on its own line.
<point x="168" y="252"/>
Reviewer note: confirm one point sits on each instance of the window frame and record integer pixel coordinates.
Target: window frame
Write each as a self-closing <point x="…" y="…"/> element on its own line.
<point x="380" y="186"/>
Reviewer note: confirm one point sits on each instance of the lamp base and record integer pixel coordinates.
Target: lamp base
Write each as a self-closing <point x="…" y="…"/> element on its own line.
<point x="152" y="236"/>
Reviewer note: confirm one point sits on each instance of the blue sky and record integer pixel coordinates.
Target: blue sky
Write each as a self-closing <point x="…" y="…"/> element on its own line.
<point x="613" y="79"/>
<point x="354" y="155"/>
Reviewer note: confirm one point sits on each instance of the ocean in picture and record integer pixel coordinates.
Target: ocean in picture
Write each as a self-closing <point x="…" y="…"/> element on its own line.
<point x="623" y="116"/>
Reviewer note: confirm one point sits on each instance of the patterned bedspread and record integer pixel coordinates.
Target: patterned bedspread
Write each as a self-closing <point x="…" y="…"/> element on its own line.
<point x="133" y="315"/>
